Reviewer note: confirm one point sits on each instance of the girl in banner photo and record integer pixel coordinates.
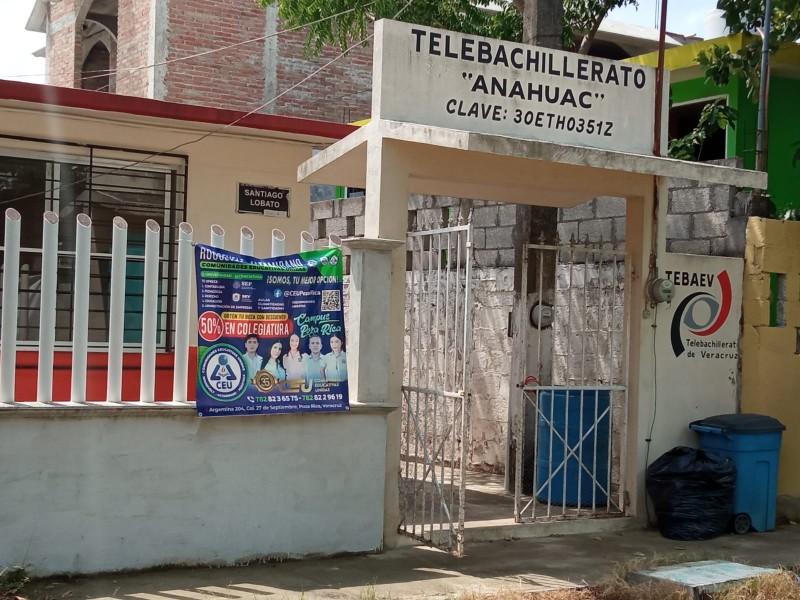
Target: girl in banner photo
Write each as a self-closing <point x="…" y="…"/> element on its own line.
<point x="336" y="360"/>
<point x="273" y="364"/>
<point x="293" y="360"/>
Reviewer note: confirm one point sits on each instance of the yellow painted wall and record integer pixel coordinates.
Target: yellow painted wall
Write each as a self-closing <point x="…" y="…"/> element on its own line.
<point x="770" y="362"/>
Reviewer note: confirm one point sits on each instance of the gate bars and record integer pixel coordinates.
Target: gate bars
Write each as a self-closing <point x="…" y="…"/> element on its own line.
<point x="575" y="410"/>
<point x="435" y="411"/>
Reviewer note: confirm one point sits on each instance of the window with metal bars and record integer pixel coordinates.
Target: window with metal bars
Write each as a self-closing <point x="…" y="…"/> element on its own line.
<point x="104" y="183"/>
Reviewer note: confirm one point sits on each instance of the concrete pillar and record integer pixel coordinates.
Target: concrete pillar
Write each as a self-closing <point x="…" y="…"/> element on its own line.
<point x="377" y="306"/>
<point x="542" y="23"/>
<point x="639" y="245"/>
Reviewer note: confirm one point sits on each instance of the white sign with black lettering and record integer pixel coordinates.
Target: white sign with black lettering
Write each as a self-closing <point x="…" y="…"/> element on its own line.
<point x="437" y="77"/>
<point x="263" y="200"/>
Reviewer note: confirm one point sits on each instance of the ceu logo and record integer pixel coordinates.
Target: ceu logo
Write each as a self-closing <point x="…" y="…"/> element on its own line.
<point x="700" y="314"/>
<point x="223" y="373"/>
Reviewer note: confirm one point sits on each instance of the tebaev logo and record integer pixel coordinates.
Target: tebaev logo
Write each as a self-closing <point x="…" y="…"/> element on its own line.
<point x="702" y="313"/>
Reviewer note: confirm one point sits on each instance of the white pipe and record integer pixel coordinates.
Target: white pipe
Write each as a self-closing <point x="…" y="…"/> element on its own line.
<point x="306" y="242"/>
<point x="80" y="315"/>
<point x="8" y="337"/>
<point x="47" y="307"/>
<point x="116" y="330"/>
<point x="147" y="387"/>
<point x="218" y="237"/>
<point x="334" y="241"/>
<point x="278" y="243"/>
<point x="183" y="303"/>
<point x="246" y="241"/>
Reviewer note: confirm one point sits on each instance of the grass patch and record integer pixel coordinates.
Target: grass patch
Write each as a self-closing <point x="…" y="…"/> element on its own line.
<point x="11" y="581"/>
<point x="783" y="585"/>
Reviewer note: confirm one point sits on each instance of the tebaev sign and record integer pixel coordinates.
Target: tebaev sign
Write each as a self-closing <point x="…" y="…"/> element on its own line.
<point x="437" y="77"/>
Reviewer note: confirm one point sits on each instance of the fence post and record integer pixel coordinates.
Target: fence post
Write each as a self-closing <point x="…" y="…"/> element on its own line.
<point x="147" y="386"/>
<point x="278" y="243"/>
<point x="8" y="338"/>
<point x="306" y="242"/>
<point x="246" y="241"/>
<point x="47" y="307"/>
<point x="116" y="330"/>
<point x="218" y="237"/>
<point x="183" y="304"/>
<point x="80" y="320"/>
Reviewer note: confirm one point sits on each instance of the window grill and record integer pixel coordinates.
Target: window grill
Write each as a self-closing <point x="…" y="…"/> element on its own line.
<point x="103" y="183"/>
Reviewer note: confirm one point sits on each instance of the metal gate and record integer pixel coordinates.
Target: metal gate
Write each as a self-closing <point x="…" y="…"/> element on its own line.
<point x="572" y="423"/>
<point x="435" y="409"/>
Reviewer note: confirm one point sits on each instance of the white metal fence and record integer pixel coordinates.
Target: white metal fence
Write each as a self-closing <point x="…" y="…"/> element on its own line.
<point x="40" y="296"/>
<point x="574" y="402"/>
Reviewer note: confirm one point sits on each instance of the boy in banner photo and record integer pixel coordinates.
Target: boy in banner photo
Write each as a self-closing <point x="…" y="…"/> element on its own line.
<point x="267" y="331"/>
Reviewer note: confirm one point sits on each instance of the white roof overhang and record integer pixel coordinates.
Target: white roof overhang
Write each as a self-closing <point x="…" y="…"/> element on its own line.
<point x="451" y="162"/>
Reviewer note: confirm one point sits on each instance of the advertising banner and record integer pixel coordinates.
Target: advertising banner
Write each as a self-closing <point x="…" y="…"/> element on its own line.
<point x="270" y="333"/>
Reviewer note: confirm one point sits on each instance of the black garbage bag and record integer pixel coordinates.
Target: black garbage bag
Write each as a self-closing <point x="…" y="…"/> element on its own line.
<point x="692" y="493"/>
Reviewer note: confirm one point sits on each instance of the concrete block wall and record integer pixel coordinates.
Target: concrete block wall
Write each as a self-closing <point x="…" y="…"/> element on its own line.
<point x="493" y="300"/>
<point x="492" y="223"/>
<point x="701" y="218"/>
<point x="490" y="381"/>
<point x="771" y="350"/>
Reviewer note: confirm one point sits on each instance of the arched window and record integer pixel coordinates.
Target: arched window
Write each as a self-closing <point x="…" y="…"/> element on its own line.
<point x="95" y="73"/>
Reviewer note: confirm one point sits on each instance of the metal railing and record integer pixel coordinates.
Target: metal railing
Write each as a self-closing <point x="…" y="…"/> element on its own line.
<point x="435" y="409"/>
<point x="42" y="295"/>
<point x="571" y="433"/>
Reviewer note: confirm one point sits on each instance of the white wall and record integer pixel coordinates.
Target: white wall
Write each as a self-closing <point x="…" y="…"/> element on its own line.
<point x="702" y="381"/>
<point x="133" y="488"/>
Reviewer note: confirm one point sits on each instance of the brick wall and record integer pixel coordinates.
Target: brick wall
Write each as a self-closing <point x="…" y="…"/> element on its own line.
<point x="64" y="45"/>
<point x="233" y="78"/>
<point x="339" y="93"/>
<point x="133" y="42"/>
<point x="236" y="78"/>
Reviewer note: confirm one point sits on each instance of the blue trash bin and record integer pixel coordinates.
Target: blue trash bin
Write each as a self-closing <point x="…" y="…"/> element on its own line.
<point x="753" y="443"/>
<point x="579" y="448"/>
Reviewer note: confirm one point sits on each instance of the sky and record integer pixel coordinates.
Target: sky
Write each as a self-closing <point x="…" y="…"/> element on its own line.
<point x="17" y="44"/>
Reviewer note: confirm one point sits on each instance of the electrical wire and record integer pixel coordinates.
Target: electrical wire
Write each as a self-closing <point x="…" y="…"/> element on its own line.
<point x="214" y="131"/>
<point x="649" y="438"/>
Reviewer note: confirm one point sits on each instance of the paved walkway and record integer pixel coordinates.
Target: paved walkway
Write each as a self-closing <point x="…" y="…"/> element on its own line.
<point x="415" y="572"/>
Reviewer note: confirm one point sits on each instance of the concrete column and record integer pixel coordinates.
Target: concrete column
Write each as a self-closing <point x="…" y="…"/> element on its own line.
<point x="157" y="50"/>
<point x="542" y="23"/>
<point x="638" y="244"/>
<point x="377" y="306"/>
<point x="369" y="327"/>
<point x="270" y="57"/>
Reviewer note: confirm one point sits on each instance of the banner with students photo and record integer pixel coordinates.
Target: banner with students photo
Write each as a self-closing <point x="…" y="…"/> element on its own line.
<point x="270" y="333"/>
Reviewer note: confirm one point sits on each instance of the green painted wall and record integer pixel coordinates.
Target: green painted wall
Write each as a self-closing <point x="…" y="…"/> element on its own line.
<point x="783" y="158"/>
<point x="784" y="131"/>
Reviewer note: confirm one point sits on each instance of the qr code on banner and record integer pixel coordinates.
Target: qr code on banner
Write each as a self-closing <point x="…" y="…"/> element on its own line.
<point x="331" y="300"/>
